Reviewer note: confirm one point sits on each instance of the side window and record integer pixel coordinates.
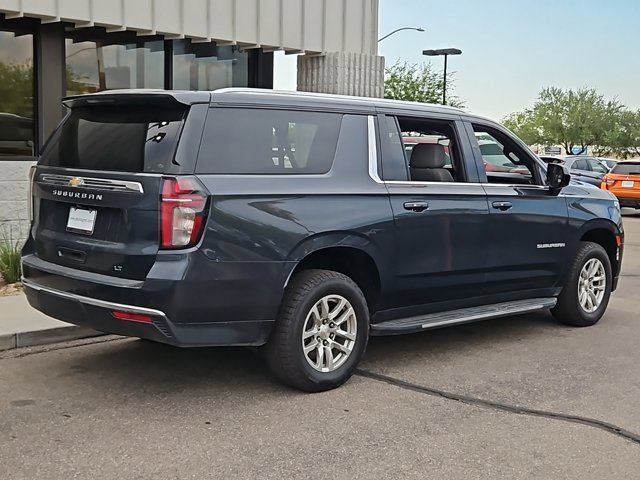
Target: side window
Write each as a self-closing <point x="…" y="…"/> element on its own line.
<point x="503" y="159"/>
<point x="431" y="150"/>
<point x="263" y="141"/>
<point x="394" y="165"/>
<point x="580" y="165"/>
<point x="597" y="167"/>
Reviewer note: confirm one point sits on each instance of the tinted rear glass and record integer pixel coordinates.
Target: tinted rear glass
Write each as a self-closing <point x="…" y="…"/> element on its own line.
<point x="261" y="141"/>
<point x="123" y="138"/>
<point x="627" y="168"/>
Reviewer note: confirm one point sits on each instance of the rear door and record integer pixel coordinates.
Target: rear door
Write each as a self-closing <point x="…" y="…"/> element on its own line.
<point x="528" y="224"/>
<point x="440" y="213"/>
<point x="98" y="183"/>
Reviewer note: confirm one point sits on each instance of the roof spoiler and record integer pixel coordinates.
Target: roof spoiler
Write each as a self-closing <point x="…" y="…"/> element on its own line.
<point x="137" y="97"/>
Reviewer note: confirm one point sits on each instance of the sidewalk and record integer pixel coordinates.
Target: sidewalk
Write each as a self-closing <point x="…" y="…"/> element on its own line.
<point x="23" y="326"/>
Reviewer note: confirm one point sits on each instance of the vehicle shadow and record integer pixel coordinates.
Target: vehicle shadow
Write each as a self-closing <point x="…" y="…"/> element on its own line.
<point x="139" y="369"/>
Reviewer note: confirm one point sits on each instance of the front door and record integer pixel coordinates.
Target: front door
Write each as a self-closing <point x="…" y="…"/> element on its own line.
<point x="528" y="224"/>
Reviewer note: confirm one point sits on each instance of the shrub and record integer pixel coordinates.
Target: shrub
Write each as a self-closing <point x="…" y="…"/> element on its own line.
<point x="9" y="259"/>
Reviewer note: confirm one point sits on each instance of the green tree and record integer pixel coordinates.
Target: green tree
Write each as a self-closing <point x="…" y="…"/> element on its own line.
<point x="623" y="138"/>
<point x="582" y="118"/>
<point x="16" y="89"/>
<point x="418" y="83"/>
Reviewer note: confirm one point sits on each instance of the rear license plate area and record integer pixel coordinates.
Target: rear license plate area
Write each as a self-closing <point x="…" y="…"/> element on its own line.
<point x="81" y="220"/>
<point x="628" y="183"/>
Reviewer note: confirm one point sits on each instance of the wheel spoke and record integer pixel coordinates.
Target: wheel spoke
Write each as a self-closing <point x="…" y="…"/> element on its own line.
<point x="329" y="357"/>
<point x="324" y="308"/>
<point x="311" y="347"/>
<point x="315" y="314"/>
<point x="320" y="356"/>
<point x="593" y="299"/>
<point x="309" y="333"/>
<point x="344" y="349"/>
<point x="345" y="334"/>
<point x="337" y="309"/>
<point x="340" y="320"/>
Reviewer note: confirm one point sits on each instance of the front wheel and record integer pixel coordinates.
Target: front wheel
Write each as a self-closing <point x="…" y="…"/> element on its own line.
<point x="321" y="333"/>
<point x="585" y="296"/>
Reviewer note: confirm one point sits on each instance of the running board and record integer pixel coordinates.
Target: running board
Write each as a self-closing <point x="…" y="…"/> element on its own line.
<point x="463" y="315"/>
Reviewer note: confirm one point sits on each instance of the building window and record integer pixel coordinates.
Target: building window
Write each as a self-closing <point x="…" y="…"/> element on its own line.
<point x="103" y="64"/>
<point x="203" y="66"/>
<point x="17" y="128"/>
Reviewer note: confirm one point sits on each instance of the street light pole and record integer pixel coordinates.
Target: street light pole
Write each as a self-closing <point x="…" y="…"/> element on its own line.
<point x="417" y="29"/>
<point x="443" y="52"/>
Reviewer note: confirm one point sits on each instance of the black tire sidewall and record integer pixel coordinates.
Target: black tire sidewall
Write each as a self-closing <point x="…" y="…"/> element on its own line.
<point x="352" y="293"/>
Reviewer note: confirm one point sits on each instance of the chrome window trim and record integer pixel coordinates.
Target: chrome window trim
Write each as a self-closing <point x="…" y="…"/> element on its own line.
<point x="92" y="183"/>
<point x="373" y="150"/>
<point x="93" y="301"/>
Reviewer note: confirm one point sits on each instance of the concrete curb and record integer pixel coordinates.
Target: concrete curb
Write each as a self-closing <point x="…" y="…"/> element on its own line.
<point x="46" y="336"/>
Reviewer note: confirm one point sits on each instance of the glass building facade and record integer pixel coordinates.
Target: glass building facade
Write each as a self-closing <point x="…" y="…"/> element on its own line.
<point x="17" y="94"/>
<point x="42" y="63"/>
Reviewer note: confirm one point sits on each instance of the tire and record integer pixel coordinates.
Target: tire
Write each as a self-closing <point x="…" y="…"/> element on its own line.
<point x="569" y="309"/>
<point x="284" y="352"/>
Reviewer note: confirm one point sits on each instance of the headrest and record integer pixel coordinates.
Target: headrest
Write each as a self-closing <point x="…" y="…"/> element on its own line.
<point x="428" y="155"/>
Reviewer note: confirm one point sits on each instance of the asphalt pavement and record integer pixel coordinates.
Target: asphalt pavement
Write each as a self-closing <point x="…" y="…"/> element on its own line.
<point x="519" y="397"/>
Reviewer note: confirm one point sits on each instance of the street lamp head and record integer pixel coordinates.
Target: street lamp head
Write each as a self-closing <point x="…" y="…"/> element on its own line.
<point x="442" y="51"/>
<point x="417" y="29"/>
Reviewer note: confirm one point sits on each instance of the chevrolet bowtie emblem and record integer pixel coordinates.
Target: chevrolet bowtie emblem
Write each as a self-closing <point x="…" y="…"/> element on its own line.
<point x="76" y="182"/>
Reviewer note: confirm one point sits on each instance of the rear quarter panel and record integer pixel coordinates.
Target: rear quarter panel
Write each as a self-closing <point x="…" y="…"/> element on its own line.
<point x="271" y="222"/>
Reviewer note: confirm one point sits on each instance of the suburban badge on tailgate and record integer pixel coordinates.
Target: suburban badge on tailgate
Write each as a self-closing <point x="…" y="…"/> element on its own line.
<point x="83" y="196"/>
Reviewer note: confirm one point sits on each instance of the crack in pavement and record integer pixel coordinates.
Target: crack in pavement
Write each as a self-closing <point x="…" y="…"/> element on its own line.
<point x="504" y="407"/>
<point x="474" y="401"/>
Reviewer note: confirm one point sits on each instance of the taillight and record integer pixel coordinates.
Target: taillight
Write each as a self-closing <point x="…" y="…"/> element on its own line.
<point x="607" y="181"/>
<point x="32" y="174"/>
<point x="182" y="212"/>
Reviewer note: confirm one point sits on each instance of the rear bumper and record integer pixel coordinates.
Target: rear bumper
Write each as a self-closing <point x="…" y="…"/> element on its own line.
<point x="97" y="314"/>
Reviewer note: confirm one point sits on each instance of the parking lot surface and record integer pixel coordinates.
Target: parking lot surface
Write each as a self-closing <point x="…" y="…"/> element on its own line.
<point x="518" y="397"/>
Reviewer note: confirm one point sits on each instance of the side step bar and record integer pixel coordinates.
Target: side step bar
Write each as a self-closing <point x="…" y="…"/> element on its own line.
<point x="463" y="315"/>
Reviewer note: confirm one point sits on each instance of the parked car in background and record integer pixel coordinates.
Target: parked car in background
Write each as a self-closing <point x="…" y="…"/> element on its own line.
<point x="583" y="168"/>
<point x="609" y="162"/>
<point x="624" y="182"/>
<point x="495" y="159"/>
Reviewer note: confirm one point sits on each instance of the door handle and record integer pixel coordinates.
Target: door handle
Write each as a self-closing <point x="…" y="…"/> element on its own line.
<point x="416" y="206"/>
<point x="502" y="205"/>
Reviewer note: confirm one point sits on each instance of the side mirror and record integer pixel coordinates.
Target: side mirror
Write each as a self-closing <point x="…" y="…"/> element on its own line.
<point x="558" y="176"/>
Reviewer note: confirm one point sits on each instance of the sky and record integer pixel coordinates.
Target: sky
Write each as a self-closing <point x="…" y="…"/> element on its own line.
<point x="514" y="48"/>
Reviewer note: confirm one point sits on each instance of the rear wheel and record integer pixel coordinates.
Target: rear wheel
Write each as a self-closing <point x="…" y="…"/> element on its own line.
<point x="321" y="333"/>
<point x="585" y="296"/>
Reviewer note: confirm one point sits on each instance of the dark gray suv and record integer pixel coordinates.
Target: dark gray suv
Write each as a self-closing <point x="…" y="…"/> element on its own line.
<point x="300" y="222"/>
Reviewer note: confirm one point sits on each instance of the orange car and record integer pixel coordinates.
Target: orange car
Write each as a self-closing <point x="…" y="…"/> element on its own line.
<point x="624" y="182"/>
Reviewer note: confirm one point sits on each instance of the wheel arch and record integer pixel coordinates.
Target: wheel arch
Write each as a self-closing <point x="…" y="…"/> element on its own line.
<point x="353" y="255"/>
<point x="605" y="234"/>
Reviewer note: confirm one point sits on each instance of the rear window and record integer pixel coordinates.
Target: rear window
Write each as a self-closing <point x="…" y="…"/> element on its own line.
<point x="123" y="138"/>
<point x="262" y="141"/>
<point x="627" y="168"/>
